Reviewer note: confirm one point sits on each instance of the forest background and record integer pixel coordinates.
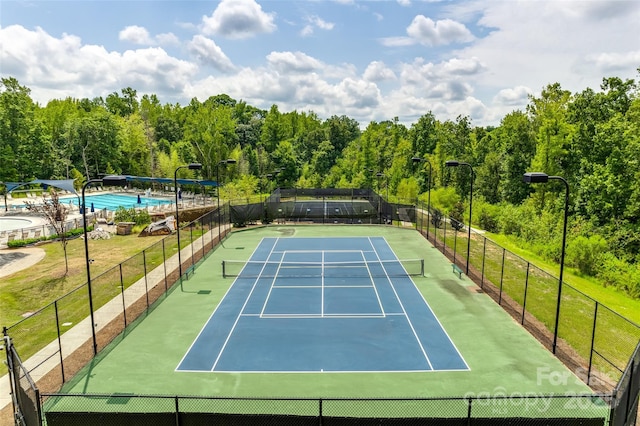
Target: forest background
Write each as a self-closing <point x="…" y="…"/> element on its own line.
<point x="591" y="138"/>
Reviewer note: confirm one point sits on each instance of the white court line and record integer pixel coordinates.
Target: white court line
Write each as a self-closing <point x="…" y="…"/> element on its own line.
<point x="244" y="305"/>
<point x="424" y="352"/>
<point x="216" y="308"/>
<point x="434" y="315"/>
<point x="322" y="284"/>
<point x="373" y="282"/>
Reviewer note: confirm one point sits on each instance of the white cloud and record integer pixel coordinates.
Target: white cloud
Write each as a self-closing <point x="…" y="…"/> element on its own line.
<point x="425" y="31"/>
<point x="378" y="71"/>
<point x="59" y="67"/>
<point x="209" y="53"/>
<point x="315" y="22"/>
<point x="532" y="44"/>
<point x="397" y="41"/>
<point x="139" y="35"/>
<point x="404" y="2"/>
<point x="295" y="62"/>
<point x="166" y="39"/>
<point x="238" y="19"/>
<point x="610" y="62"/>
<point x="136" y="35"/>
<point x="515" y="96"/>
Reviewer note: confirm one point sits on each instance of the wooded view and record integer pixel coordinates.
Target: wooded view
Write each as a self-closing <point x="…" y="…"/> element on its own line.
<point x="591" y="138"/>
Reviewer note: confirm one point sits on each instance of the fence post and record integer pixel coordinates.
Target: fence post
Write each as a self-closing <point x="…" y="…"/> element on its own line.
<point x="55" y="305"/>
<point x="455" y="244"/>
<point x="501" y="276"/>
<point x="524" y="300"/>
<point x="124" y="309"/>
<point x="444" y="237"/>
<point x="164" y="263"/>
<point x="320" y="411"/>
<point x="177" y="406"/>
<point x="146" y="285"/>
<point x="469" y="411"/>
<point x="593" y="339"/>
<point x="202" y="234"/>
<point x="484" y="256"/>
<point x="191" y="240"/>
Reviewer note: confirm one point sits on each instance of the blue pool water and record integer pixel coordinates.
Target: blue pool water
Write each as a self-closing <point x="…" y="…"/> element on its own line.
<point x="113" y="201"/>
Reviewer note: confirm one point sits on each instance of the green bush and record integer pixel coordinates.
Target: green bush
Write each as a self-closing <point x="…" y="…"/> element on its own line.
<point x="620" y="274"/>
<point x="488" y="217"/>
<point x="457" y="216"/>
<point x="586" y="253"/>
<point x="139" y="217"/>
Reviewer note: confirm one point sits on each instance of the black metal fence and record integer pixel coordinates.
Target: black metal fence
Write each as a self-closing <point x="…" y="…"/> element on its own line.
<point x="25" y="394"/>
<point x="600" y="345"/>
<point x="333" y="205"/>
<point x="593" y="340"/>
<point x="548" y="410"/>
<point x="125" y="293"/>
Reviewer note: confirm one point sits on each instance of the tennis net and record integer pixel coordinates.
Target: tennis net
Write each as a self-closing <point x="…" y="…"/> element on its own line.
<point x="347" y="269"/>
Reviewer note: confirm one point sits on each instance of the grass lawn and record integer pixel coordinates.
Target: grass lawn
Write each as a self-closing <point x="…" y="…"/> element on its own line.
<point x="35" y="287"/>
<point x="609" y="296"/>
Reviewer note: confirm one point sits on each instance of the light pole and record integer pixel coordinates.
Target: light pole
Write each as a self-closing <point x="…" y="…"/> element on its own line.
<point x="192" y="166"/>
<point x="106" y="181"/>
<point x="386" y="180"/>
<point x="539" y="177"/>
<point x="223" y="162"/>
<point x="419" y="160"/>
<point x="456" y="163"/>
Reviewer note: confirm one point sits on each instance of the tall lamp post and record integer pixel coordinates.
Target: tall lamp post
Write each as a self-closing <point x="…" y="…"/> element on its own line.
<point x="419" y="160"/>
<point x="456" y="163"/>
<point x="539" y="177"/>
<point x="192" y="166"/>
<point x="106" y="181"/>
<point x="379" y="175"/>
<point x="223" y="162"/>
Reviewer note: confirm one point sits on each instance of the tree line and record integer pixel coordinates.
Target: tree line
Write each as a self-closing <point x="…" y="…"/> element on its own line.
<point x="591" y="138"/>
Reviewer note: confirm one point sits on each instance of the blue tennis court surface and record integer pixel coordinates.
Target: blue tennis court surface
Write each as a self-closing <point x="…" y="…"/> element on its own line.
<point x="323" y="304"/>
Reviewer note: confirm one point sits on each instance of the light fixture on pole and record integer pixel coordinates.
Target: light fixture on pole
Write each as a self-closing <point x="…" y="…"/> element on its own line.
<point x="106" y="181"/>
<point x="192" y="166"/>
<point x="386" y="180"/>
<point x="419" y="160"/>
<point x="456" y="163"/>
<point x="539" y="177"/>
<point x="223" y="162"/>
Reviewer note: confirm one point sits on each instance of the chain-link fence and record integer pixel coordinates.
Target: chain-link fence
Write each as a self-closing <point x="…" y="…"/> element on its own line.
<point x="334" y="205"/>
<point x="24" y="392"/>
<point x="183" y="410"/>
<point x="593" y="340"/>
<point x="597" y="342"/>
<point x="57" y="340"/>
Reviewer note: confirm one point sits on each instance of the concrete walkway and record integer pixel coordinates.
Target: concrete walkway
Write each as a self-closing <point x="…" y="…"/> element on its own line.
<point x="47" y="359"/>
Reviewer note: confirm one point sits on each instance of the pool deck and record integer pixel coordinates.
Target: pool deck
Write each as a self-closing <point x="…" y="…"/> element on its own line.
<point x="40" y="227"/>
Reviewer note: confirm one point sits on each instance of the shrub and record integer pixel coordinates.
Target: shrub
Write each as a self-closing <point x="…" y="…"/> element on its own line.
<point x="139" y="217"/>
<point x="620" y="274"/>
<point x="436" y="217"/>
<point x="489" y="217"/>
<point x="586" y="253"/>
<point x="457" y="216"/>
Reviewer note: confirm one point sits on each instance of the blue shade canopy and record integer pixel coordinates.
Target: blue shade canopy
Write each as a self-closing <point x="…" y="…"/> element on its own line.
<point x="65" y="184"/>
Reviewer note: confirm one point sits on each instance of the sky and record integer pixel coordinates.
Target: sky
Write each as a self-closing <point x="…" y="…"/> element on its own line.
<point x="368" y="60"/>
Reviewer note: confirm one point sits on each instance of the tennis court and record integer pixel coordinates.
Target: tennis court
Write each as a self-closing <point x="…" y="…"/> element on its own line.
<point x="323" y="304"/>
<point x="267" y="334"/>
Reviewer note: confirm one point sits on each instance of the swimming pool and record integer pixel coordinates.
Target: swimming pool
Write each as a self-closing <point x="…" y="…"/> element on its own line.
<point x="113" y="201"/>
